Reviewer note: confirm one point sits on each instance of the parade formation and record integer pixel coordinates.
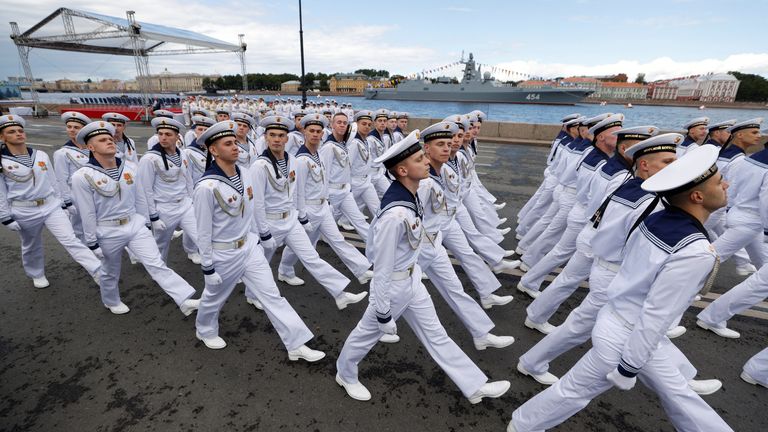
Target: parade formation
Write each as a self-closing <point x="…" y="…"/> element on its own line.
<point x="645" y="218"/>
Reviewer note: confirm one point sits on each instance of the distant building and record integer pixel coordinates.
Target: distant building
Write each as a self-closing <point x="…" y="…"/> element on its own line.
<point x="581" y="82"/>
<point x="182" y="82"/>
<point x="355" y="83"/>
<point x="720" y="87"/>
<point x="536" y="84"/>
<point x="290" y="86"/>
<point x="620" y="90"/>
<point x="109" y="85"/>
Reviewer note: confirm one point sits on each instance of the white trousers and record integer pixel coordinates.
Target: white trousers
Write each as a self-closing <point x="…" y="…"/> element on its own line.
<point x="365" y="196"/>
<point x="248" y="263"/>
<point x="323" y="224"/>
<point x="410" y="300"/>
<point x="553" y="231"/>
<point x="174" y="215"/>
<point x="343" y="204"/>
<point x="738" y="299"/>
<point x="744" y="230"/>
<point x="757" y="367"/>
<point x="435" y="263"/>
<point x="485" y="246"/>
<point x="77" y="223"/>
<point x="289" y="232"/>
<point x="575" y="272"/>
<point x="484" y="220"/>
<point x="32" y="220"/>
<point x="559" y="254"/>
<point x="481" y="276"/>
<point x="537" y="205"/>
<point x="716" y="225"/>
<point x="543" y="220"/>
<point x="586" y="380"/>
<point x="138" y="238"/>
<point x="381" y="184"/>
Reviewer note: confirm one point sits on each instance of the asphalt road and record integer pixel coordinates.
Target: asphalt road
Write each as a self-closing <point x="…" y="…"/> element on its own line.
<point x="67" y="364"/>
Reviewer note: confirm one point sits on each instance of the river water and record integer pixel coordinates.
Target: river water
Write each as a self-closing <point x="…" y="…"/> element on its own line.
<point x="665" y="117"/>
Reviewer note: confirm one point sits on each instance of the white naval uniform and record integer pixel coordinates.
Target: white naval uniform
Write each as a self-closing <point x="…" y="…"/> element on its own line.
<point x="360" y="165"/>
<point x="276" y="216"/>
<point x="295" y="140"/>
<point x="168" y="195"/>
<point x="67" y="160"/>
<point x="398" y="135"/>
<point x="126" y="150"/>
<point x="484" y="218"/>
<point x="467" y="245"/>
<point x="247" y="153"/>
<point x="196" y="158"/>
<point x="377" y="147"/>
<point x="486" y="196"/>
<point x="757" y="367"/>
<point x="748" y="293"/>
<point x="397" y="291"/>
<point x="667" y="263"/>
<point x="312" y="205"/>
<point x="434" y="261"/>
<point x="521" y="215"/>
<point x="30" y="195"/>
<point x="228" y="246"/>
<point x="113" y="218"/>
<point x="335" y="159"/>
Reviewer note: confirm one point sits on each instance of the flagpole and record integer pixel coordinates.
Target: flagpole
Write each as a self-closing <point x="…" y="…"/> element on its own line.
<point x="301" y="48"/>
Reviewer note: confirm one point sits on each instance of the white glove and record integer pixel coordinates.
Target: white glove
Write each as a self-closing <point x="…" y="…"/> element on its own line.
<point x="308" y="227"/>
<point x="620" y="381"/>
<point x="72" y="211"/>
<point x="269" y="244"/>
<point x="352" y="131"/>
<point x="14" y="226"/>
<point x="158" y="225"/>
<point x="212" y="279"/>
<point x="388" y="327"/>
<point x="99" y="253"/>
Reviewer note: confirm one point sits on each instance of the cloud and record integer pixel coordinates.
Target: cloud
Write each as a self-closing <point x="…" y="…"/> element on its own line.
<point x="457" y="9"/>
<point x="659" y="68"/>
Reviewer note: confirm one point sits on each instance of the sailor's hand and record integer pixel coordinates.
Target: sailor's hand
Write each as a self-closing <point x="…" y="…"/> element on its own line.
<point x="620" y="381"/>
<point x="212" y="279"/>
<point x="99" y="253"/>
<point x="14" y="226"/>
<point x="158" y="225"/>
<point x="388" y="327"/>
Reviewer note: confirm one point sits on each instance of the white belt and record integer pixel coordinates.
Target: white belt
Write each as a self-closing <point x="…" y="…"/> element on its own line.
<point x="401" y="275"/>
<point x="339" y="186"/>
<point x="34" y="203"/>
<point x="278" y="216"/>
<point x="237" y="244"/>
<point x="320" y="201"/>
<point x="569" y="189"/>
<point x="114" y="222"/>
<point x="614" y="267"/>
<point x="621" y="319"/>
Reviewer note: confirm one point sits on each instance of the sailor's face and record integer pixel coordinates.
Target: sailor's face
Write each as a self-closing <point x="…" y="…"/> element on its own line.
<point x="72" y="129"/>
<point x="339" y="124"/>
<point x="276" y="139"/>
<point x="698" y="132"/>
<point x="457" y="140"/>
<point x="221" y="117"/>
<point x="14" y="135"/>
<point x="364" y="126"/>
<point x="715" y="193"/>
<point x="119" y="128"/>
<point x="297" y="122"/>
<point x="721" y="136"/>
<point x="391" y="124"/>
<point x="225" y="149"/>
<point x="242" y="129"/>
<point x="402" y="123"/>
<point x="439" y="150"/>
<point x="381" y="124"/>
<point x="199" y="129"/>
<point x="313" y="134"/>
<point x="655" y="162"/>
<point x="167" y="138"/>
<point x="416" y="166"/>
<point x="749" y="136"/>
<point x="609" y="139"/>
<point x="102" y="145"/>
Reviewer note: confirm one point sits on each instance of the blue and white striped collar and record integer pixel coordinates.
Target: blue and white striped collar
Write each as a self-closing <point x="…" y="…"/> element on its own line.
<point x="214" y="172"/>
<point x="93" y="163"/>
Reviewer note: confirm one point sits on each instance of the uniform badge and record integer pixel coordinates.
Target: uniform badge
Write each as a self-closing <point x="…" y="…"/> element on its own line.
<point x="292" y="176"/>
<point x="42" y="166"/>
<point x="128" y="178"/>
<point x="250" y="192"/>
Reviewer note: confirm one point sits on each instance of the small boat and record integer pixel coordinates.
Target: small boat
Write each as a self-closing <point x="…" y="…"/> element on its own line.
<point x="629" y="105"/>
<point x="603" y="103"/>
<point x="701" y="107"/>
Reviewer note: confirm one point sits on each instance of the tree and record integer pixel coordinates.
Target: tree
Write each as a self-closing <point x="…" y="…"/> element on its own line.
<point x="753" y="88"/>
<point x="640" y="78"/>
<point x="373" y="72"/>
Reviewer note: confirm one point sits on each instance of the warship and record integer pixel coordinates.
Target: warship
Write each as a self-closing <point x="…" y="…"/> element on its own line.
<point x="476" y="86"/>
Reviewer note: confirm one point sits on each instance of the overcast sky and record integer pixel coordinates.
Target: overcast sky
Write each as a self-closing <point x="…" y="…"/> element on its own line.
<point x="549" y="38"/>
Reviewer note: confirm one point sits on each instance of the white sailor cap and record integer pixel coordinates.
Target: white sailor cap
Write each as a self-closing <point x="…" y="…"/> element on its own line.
<point x="93" y="129"/>
<point x="11" y="120"/>
<point x="698" y="121"/>
<point x="115" y="117"/>
<point x="461" y="121"/>
<point x="444" y="129"/>
<point x="163" y="113"/>
<point x="401" y="114"/>
<point x="380" y="113"/>
<point x="299" y="113"/>
<point x="574" y="122"/>
<point x="364" y="115"/>
<point x="589" y="122"/>
<point x="199" y="120"/>
<point x="401" y="150"/>
<point x="222" y="110"/>
<point x="636" y="133"/>
<point x="219" y="130"/>
<point x="277" y="122"/>
<point x="481" y="117"/>
<point x="327" y="111"/>
<point x="392" y="115"/>
<point x="242" y="118"/>
<point x="473" y="118"/>
<point x="693" y="169"/>
<point x="570" y="117"/>
<point x="660" y="143"/>
<point x="314" y="119"/>
<point x="746" y="124"/>
<point x="607" y="123"/>
<point x="201" y="112"/>
<point x="721" y="125"/>
<point x="167" y="123"/>
<point x="74" y="116"/>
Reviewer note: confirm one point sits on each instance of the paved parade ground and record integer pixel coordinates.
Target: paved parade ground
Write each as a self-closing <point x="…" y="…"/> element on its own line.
<point x="68" y="364"/>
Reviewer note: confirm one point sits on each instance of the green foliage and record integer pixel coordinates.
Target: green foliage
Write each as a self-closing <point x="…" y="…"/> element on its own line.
<point x="753" y="88"/>
<point x="373" y="72"/>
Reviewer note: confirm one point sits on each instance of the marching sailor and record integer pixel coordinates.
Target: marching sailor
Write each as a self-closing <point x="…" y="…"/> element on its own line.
<point x="401" y="126"/>
<point x="224" y="206"/>
<point x="126" y="147"/>
<point x="666" y="252"/>
<point x="30" y="199"/>
<point x="718" y="134"/>
<point x="161" y="113"/>
<point x="360" y="162"/>
<point x="195" y="151"/>
<point x="106" y="192"/>
<point x="274" y="183"/>
<point x="296" y="136"/>
<point x="696" y="132"/>
<point x="377" y="145"/>
<point x="248" y="151"/>
<point x="396" y="288"/>
<point x="68" y="159"/>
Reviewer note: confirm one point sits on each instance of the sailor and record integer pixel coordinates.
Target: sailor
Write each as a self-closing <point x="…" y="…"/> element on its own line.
<point x="433" y="258"/>
<point x="696" y="132"/>
<point x="68" y="159"/>
<point x="478" y="117"/>
<point x="224" y="206"/>
<point x="330" y="116"/>
<point x="191" y="133"/>
<point x="377" y="145"/>
<point x="335" y="158"/>
<point x="360" y="162"/>
<point x="222" y="113"/>
<point x="391" y="125"/>
<point x="274" y="183"/>
<point x="396" y="288"/>
<point x="603" y="147"/>
<point x="314" y="211"/>
<point x="401" y="126"/>
<point x="186" y="110"/>
<point x="668" y="261"/>
<point x="608" y="178"/>
<point x="538" y="204"/>
<point x="717" y="133"/>
<point x="755" y="371"/>
<point x="296" y="136"/>
<point x="196" y="152"/>
<point x="126" y="147"/>
<point x="248" y="150"/>
<point x="165" y="181"/>
<point x="107" y="194"/>
<point x="30" y="199"/>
